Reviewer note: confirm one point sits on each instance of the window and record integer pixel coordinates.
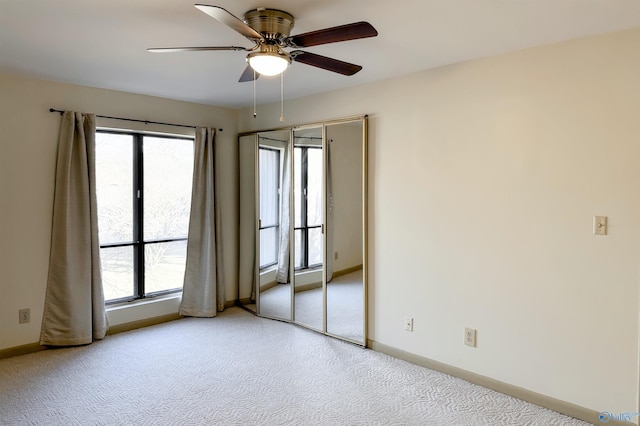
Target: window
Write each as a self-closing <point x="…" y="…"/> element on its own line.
<point x="269" y="166"/>
<point x="144" y="199"/>
<point x="307" y="165"/>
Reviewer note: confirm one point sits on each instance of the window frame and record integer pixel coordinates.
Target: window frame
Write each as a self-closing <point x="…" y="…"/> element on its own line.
<point x="278" y="172"/>
<point x="138" y="243"/>
<point x="304" y="227"/>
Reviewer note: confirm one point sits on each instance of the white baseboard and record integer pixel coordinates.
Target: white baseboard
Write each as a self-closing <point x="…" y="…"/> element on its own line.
<point x="545" y="401"/>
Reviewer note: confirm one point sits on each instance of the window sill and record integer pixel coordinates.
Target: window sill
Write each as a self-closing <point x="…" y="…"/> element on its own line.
<point x="145" y="301"/>
<point x="138" y="310"/>
<point x="268" y="269"/>
<point x="308" y="277"/>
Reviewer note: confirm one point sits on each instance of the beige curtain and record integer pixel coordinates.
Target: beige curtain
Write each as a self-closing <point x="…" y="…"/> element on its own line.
<point x="74" y="312"/>
<point x="203" y="292"/>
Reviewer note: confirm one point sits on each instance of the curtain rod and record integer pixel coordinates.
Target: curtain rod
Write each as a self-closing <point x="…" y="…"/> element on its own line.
<point x="134" y="120"/>
<point x="271" y="139"/>
<point x="295" y="137"/>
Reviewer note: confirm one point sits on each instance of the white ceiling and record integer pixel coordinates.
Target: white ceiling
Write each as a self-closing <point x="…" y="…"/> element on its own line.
<point x="103" y="43"/>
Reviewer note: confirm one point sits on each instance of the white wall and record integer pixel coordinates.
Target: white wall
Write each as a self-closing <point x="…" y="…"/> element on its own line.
<point x="484" y="178"/>
<point x="28" y="144"/>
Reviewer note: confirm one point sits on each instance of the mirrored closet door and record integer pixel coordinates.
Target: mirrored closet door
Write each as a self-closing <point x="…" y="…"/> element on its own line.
<point x="274" y="202"/>
<point x="345" y="246"/>
<point x="303" y="226"/>
<point x="265" y="202"/>
<point x="308" y="213"/>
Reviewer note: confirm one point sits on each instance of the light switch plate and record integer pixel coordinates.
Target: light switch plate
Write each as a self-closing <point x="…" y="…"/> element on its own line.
<point x="600" y="225"/>
<point x="408" y="323"/>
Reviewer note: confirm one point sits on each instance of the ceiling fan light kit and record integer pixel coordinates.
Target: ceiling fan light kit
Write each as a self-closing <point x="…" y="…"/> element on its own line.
<point x="269" y="61"/>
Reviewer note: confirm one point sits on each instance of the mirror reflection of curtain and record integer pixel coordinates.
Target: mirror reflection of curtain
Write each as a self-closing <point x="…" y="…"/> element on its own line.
<point x="282" y="275"/>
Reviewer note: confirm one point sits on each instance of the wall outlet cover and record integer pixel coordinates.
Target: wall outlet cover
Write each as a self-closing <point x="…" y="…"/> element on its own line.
<point x="470" y="336"/>
<point x="24" y="316"/>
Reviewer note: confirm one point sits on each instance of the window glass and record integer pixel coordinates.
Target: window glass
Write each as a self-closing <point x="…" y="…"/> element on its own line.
<point x="168" y="175"/>
<point x="268" y="246"/>
<point x="315" y="246"/>
<point x="314" y="187"/>
<point x="269" y="186"/>
<point x="297" y="255"/>
<point x="114" y="184"/>
<point x="117" y="272"/>
<point x="297" y="186"/>
<point x="164" y="266"/>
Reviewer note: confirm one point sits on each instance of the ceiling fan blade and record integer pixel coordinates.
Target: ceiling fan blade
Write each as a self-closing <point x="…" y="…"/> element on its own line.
<point x="248" y="75"/>
<point x="329" y="64"/>
<point x="333" y="35"/>
<point x="230" y="20"/>
<point x="194" y="49"/>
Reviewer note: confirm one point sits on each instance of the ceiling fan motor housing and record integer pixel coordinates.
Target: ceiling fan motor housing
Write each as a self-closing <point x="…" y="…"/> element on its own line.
<point x="275" y="25"/>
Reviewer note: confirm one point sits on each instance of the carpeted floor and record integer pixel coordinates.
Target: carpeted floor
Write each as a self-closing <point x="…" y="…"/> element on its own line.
<point x="238" y="369"/>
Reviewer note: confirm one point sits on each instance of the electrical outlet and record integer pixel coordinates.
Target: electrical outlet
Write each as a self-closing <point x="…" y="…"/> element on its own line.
<point x="24" y="316"/>
<point x="470" y="336"/>
<point x="335" y="256"/>
<point x="408" y="323"/>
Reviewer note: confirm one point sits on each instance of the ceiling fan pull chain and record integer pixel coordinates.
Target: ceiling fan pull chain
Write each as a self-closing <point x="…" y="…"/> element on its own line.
<point x="282" y="97"/>
<point x="255" y="114"/>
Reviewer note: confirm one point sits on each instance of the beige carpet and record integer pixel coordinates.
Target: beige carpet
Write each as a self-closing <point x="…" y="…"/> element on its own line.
<point x="238" y="369"/>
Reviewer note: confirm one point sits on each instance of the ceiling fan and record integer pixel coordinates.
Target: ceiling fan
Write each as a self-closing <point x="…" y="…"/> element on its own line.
<point x="269" y="30"/>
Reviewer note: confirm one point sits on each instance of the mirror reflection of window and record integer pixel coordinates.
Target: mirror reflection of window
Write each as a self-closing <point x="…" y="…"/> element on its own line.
<point x="308" y="206"/>
<point x="269" y="206"/>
